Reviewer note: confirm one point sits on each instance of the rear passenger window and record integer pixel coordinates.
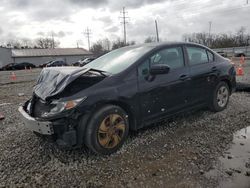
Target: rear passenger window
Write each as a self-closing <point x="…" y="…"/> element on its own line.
<point x="173" y="57"/>
<point x="210" y="56"/>
<point x="197" y="55"/>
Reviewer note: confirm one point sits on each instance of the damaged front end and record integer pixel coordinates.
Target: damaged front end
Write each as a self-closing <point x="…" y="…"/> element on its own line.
<point x="52" y="110"/>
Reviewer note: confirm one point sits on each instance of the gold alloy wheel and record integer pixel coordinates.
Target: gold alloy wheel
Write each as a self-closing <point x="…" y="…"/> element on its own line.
<point x="111" y="131"/>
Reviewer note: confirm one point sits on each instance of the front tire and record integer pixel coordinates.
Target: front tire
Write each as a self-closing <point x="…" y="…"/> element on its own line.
<point x="107" y="130"/>
<point x="220" y="97"/>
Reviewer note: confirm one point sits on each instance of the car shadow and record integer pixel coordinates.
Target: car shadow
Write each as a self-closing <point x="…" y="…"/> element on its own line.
<point x="243" y="89"/>
<point x="67" y="156"/>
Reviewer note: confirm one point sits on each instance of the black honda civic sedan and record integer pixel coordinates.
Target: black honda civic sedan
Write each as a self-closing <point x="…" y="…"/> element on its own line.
<point x="127" y="89"/>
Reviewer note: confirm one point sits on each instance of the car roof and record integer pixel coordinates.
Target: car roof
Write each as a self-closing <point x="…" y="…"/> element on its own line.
<point x="161" y="44"/>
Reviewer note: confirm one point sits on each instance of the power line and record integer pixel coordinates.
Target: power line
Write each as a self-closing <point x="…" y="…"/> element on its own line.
<point x="220" y="10"/>
<point x="87" y="34"/>
<point x="124" y="22"/>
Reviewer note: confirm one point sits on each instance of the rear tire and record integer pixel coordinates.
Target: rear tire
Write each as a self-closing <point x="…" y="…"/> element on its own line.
<point x="107" y="130"/>
<point x="220" y="97"/>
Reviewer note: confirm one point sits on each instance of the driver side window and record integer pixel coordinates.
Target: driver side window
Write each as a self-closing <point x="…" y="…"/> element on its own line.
<point x="173" y="57"/>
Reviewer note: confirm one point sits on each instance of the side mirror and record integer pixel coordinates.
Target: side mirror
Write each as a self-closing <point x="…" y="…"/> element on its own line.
<point x="159" y="69"/>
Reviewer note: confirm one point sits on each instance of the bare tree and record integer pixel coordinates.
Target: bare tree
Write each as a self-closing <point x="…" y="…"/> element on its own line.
<point x="19" y="43"/>
<point x="97" y="48"/>
<point x="119" y="43"/>
<point x="46" y="43"/>
<point x="106" y="43"/>
<point x="101" y="47"/>
<point x="26" y="43"/>
<point x="149" y="39"/>
<point x="131" y="43"/>
<point x="240" y="38"/>
<point x="13" y="43"/>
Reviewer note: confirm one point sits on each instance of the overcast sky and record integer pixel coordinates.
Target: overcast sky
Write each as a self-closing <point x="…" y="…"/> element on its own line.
<point x="68" y="19"/>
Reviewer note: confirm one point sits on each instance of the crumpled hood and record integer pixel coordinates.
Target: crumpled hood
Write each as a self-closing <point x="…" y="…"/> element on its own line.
<point x="53" y="80"/>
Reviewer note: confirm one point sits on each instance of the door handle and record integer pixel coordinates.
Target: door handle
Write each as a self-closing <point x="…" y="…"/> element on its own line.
<point x="184" y="77"/>
<point x="214" y="69"/>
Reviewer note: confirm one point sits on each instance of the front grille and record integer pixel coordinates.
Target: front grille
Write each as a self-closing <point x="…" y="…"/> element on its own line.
<point x="40" y="107"/>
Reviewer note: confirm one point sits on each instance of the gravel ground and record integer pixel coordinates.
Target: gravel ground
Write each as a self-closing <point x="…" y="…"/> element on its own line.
<point x="175" y="153"/>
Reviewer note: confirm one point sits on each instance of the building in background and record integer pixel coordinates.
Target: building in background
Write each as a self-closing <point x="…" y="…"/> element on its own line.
<point x="40" y="56"/>
<point x="5" y="56"/>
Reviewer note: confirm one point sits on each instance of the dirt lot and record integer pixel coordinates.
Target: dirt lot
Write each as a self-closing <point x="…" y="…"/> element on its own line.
<point x="182" y="152"/>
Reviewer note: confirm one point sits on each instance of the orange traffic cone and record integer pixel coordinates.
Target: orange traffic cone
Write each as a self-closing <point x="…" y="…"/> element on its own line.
<point x="13" y="76"/>
<point x="240" y="71"/>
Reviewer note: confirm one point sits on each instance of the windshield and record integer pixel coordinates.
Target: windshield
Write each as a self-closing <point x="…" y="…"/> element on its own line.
<point x="118" y="60"/>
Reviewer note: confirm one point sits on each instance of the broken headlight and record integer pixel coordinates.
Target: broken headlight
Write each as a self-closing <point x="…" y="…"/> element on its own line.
<point x="60" y="106"/>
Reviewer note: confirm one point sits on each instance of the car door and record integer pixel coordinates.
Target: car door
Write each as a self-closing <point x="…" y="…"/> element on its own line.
<point x="164" y="93"/>
<point x="202" y="67"/>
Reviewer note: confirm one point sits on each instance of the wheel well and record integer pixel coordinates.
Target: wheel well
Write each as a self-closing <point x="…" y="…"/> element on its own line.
<point x="228" y="83"/>
<point x="126" y="108"/>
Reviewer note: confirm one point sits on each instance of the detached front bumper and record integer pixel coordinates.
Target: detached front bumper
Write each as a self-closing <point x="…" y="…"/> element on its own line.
<point x="67" y="131"/>
<point x="42" y="127"/>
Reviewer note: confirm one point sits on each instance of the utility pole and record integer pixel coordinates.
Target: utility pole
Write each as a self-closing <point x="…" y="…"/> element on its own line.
<point x="157" y="33"/>
<point x="53" y="40"/>
<point x="247" y="2"/>
<point x="124" y="22"/>
<point x="209" y="33"/>
<point x="87" y="34"/>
